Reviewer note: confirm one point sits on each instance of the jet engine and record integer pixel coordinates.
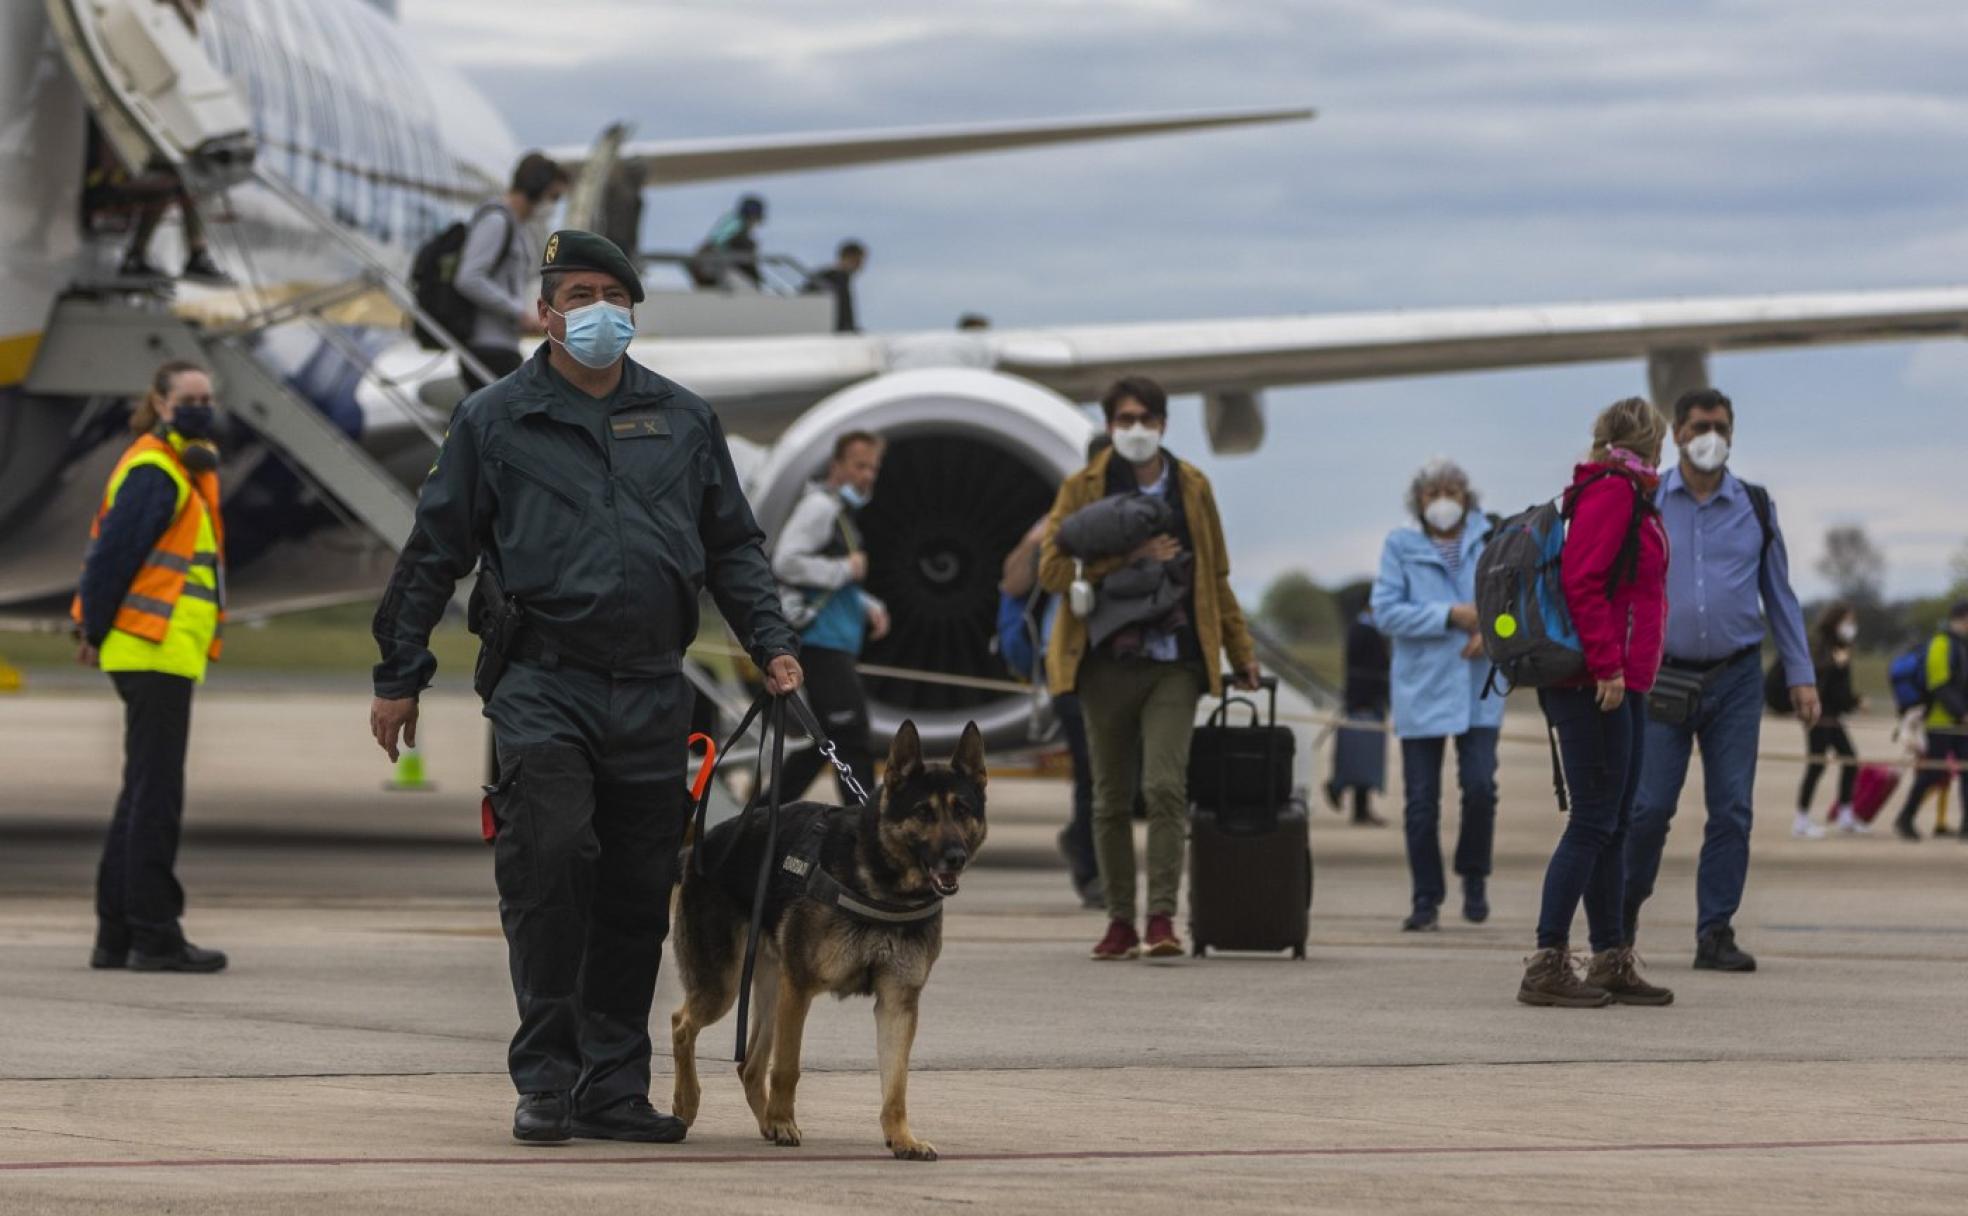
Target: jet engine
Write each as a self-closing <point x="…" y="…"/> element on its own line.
<point x="973" y="459"/>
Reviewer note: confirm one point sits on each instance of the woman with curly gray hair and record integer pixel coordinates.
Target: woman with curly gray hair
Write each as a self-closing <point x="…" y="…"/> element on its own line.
<point x="1424" y="600"/>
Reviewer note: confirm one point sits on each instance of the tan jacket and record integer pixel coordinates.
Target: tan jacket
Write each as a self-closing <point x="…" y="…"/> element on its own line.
<point x="1219" y="620"/>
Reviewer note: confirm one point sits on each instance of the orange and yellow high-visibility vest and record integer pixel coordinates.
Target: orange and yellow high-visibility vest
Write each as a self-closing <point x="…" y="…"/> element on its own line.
<point x="172" y="614"/>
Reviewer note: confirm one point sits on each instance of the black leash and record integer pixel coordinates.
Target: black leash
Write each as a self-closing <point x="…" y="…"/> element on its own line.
<point x="772" y="733"/>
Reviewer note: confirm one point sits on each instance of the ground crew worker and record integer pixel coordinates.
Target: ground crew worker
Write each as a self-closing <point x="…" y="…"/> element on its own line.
<point x="148" y="613"/>
<point x="598" y="497"/>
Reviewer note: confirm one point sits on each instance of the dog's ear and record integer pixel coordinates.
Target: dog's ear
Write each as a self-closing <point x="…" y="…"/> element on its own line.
<point x="969" y="758"/>
<point x="904" y="755"/>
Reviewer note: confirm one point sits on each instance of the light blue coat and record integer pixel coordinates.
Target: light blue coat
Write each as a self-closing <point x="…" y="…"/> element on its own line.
<point x="1436" y="691"/>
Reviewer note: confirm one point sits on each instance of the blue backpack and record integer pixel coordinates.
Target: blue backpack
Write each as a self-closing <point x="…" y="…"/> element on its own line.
<point x="1527" y="631"/>
<point x="1908" y="675"/>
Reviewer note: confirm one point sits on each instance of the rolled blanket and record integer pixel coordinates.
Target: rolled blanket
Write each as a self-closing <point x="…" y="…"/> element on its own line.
<point x="1115" y="525"/>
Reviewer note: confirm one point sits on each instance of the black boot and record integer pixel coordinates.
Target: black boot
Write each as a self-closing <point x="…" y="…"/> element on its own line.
<point x="112" y="952"/>
<point x="541" y="1119"/>
<point x="1903" y="826"/>
<point x="1423" y="919"/>
<point x="1717" y="951"/>
<point x="1475" y="899"/>
<point x="634" y="1119"/>
<point x="182" y="957"/>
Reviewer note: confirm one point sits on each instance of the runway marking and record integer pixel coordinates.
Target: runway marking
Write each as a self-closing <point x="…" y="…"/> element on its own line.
<point x="547" y="1156"/>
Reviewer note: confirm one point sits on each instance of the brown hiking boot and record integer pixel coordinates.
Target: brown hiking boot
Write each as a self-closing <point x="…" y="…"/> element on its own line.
<point x="1618" y="972"/>
<point x="1550" y="980"/>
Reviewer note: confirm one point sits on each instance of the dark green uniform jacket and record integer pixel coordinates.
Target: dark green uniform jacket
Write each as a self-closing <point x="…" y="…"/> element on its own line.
<point x="603" y="517"/>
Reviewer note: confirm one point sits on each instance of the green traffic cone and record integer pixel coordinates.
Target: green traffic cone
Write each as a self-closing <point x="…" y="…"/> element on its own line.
<point x="409" y="775"/>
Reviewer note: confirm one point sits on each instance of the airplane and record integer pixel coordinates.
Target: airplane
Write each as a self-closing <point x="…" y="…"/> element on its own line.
<point x="310" y="134"/>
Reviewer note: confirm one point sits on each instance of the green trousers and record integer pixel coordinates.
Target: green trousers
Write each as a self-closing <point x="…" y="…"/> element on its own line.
<point x="1139" y="716"/>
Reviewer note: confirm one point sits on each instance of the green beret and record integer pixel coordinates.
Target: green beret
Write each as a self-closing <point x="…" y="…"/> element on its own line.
<point x="575" y="249"/>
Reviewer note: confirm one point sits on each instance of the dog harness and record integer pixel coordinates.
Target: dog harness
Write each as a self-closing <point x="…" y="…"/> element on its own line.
<point x="823" y="888"/>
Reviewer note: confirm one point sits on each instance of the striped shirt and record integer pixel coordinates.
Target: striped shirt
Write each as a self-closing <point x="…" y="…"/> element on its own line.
<point x="1450" y="547"/>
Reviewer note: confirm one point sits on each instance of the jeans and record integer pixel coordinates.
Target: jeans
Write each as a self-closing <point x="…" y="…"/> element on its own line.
<point x="1079" y="828"/>
<point x="138" y="899"/>
<point x="1822" y="738"/>
<point x="1939" y="747"/>
<point x="1600" y="753"/>
<point x="1727" y="725"/>
<point x="1139" y="717"/>
<point x="1421" y="774"/>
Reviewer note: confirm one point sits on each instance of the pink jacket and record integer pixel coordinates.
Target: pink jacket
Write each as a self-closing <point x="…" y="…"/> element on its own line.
<point x="1623" y="634"/>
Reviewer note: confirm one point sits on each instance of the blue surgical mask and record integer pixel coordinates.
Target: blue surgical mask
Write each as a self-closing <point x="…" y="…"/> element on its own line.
<point x="854" y="497"/>
<point x="597" y="333"/>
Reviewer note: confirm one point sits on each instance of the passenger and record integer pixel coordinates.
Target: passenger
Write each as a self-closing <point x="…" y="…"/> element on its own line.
<point x="1947" y="720"/>
<point x="821" y="564"/>
<point x="600" y="497"/>
<point x="838" y="279"/>
<point x="199" y="266"/>
<point x="1614" y="577"/>
<point x="1730" y="568"/>
<point x="731" y="248"/>
<point x="1360" y="756"/>
<point x="1027" y="616"/>
<point x="148" y="611"/>
<point x="495" y="264"/>
<point x="1838" y="628"/>
<point x="1138" y="686"/>
<point x="1424" y="600"/>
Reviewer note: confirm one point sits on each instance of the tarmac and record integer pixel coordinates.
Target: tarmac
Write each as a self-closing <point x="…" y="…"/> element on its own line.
<point x="352" y="1058"/>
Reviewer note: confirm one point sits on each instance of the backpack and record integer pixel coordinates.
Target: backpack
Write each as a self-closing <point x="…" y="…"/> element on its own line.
<point x="1908" y="676"/>
<point x="1527" y="631"/>
<point x="433" y="275"/>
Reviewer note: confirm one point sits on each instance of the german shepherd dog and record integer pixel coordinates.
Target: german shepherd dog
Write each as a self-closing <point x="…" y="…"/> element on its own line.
<point x="905" y="849"/>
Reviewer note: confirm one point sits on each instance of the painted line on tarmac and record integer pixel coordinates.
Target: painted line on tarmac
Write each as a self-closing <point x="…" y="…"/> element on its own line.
<point x="538" y="1157"/>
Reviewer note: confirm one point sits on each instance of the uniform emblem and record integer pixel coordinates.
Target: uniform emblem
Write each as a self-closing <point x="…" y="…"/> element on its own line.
<point x="639" y="426"/>
<point x="553" y="247"/>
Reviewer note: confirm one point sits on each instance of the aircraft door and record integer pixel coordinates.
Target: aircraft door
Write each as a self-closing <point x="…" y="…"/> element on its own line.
<point x="159" y="99"/>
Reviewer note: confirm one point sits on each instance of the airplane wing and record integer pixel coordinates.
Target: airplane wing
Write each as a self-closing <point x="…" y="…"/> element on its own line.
<point x="674" y="162"/>
<point x="1079" y="361"/>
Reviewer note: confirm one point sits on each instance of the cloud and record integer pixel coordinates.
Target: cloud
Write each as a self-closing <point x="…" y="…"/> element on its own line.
<point x="1504" y="153"/>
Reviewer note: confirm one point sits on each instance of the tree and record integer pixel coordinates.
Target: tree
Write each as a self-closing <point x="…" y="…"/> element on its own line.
<point x="1300" y="609"/>
<point x="1853" y="565"/>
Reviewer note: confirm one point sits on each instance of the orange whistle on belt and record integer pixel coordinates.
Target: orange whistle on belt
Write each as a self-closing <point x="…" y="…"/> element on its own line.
<point x="704" y="769"/>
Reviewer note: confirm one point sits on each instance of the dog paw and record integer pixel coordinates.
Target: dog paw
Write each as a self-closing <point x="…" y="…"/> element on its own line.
<point x="782" y="1132"/>
<point x="912" y="1150"/>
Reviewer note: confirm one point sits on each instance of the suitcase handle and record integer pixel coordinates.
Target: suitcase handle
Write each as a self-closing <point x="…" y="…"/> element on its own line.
<point x="1264" y="683"/>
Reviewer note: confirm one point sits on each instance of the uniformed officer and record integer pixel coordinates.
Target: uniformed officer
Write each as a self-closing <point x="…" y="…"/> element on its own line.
<point x="600" y="497"/>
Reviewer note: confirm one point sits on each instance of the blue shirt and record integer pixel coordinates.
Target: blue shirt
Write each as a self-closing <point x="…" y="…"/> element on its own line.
<point x="1720" y="581"/>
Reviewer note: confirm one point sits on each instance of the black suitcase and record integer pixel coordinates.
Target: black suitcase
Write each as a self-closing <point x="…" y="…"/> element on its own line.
<point x="1250" y="850"/>
<point x="1242" y="765"/>
<point x="1250" y="879"/>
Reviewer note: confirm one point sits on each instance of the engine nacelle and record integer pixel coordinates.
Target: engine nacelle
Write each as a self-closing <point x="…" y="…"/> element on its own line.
<point x="974" y="459"/>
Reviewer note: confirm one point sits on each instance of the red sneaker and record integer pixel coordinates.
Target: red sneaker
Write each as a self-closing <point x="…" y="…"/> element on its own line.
<point x="1162" y="941"/>
<point x="1120" y="942"/>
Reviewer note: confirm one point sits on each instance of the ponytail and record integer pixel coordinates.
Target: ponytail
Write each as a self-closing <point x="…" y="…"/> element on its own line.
<point x="144" y="419"/>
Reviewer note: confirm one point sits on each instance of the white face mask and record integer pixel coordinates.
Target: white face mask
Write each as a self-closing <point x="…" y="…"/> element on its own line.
<point x="1848" y="632"/>
<point x="1444" y="513"/>
<point x="1137" y="444"/>
<point x="1707" y="452"/>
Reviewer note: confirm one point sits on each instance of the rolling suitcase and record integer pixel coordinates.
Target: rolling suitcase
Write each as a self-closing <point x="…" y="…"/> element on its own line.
<point x="1250" y="863"/>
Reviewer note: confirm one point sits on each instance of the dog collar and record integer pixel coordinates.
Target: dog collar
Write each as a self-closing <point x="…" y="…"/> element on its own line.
<point x="826" y="890"/>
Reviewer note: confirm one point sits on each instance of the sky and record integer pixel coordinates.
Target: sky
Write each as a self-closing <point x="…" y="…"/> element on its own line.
<point x="1510" y="152"/>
